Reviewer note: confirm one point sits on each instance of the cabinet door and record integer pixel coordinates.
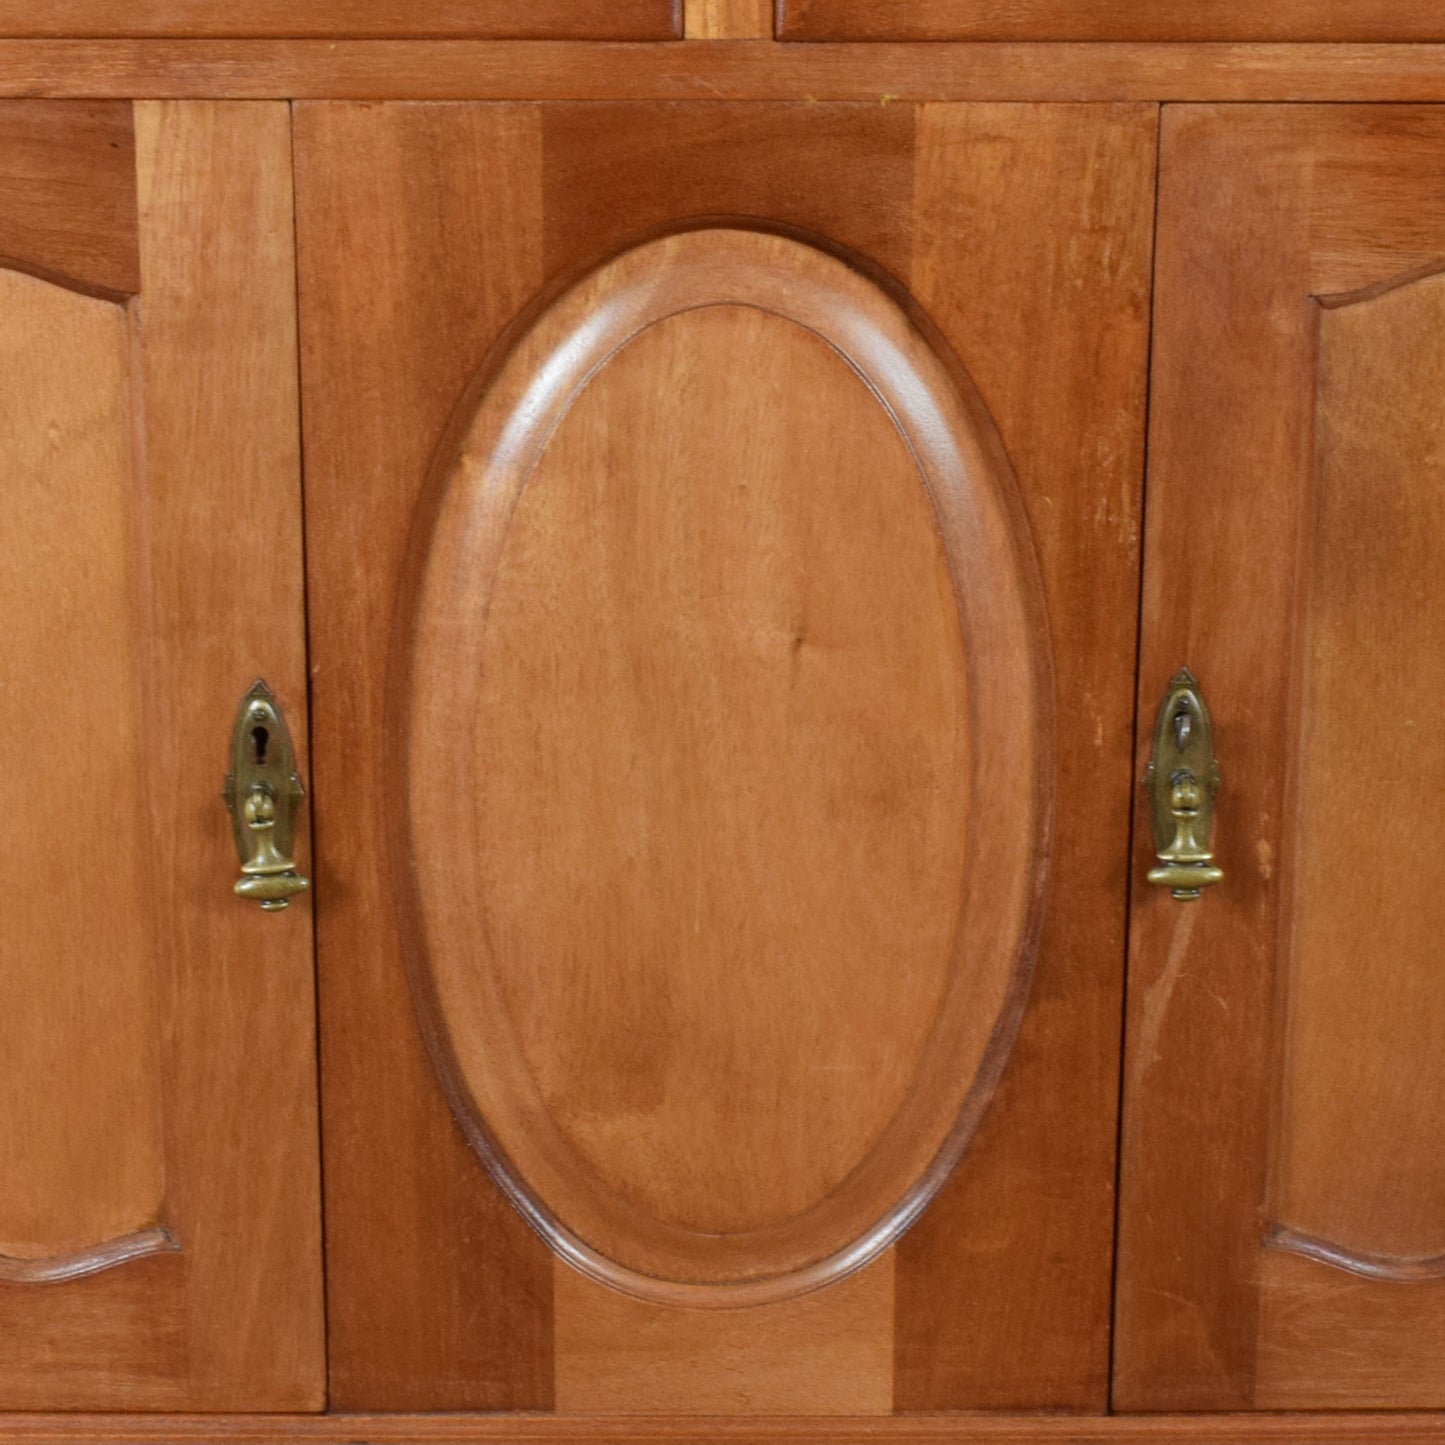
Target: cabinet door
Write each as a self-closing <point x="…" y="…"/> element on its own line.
<point x="159" y="1200"/>
<point x="684" y="782"/>
<point x="1282" y="1237"/>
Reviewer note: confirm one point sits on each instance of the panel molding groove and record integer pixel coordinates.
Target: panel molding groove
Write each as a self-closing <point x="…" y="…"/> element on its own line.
<point x="1368" y="1266"/>
<point x="54" y="1268"/>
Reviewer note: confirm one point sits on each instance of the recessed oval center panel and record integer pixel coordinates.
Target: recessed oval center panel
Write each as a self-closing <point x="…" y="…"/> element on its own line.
<point x="724" y="723"/>
<point x="724" y="737"/>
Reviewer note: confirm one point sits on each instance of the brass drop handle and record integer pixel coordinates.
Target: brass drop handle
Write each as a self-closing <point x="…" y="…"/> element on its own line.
<point x="1182" y="779"/>
<point x="263" y="793"/>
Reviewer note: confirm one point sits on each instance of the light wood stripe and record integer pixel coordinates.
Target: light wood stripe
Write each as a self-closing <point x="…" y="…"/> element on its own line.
<point x="719" y="70"/>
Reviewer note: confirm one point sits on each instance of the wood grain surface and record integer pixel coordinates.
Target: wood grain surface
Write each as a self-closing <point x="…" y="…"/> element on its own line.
<point x="188" y="551"/>
<point x="1068" y="400"/>
<point x="1283" y="533"/>
<point x="80" y="1122"/>
<point x="491" y="19"/>
<point x="418" y="241"/>
<point x="727" y="19"/>
<point x="454" y="217"/>
<point x="824" y="1352"/>
<point x="1357" y="1170"/>
<point x="1049" y="20"/>
<point x="735" y="565"/>
<point x="882" y="73"/>
<point x="1398" y="1428"/>
<point x="70" y="209"/>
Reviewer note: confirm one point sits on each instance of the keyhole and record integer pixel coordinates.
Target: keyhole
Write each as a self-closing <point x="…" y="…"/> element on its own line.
<point x="259" y="740"/>
<point x="1183" y="727"/>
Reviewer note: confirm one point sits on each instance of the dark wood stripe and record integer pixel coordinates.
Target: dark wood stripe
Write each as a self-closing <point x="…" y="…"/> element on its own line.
<point x="70" y="205"/>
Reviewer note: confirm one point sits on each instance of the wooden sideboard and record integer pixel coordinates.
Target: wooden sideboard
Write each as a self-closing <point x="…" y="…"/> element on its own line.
<point x="720" y="515"/>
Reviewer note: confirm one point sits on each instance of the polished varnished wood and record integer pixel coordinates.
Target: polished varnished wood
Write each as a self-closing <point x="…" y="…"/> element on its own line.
<point x="715" y="630"/>
<point x="162" y="1163"/>
<point x="1281" y="1219"/>
<point x="1358" y="1178"/>
<point x="69" y="212"/>
<point x="727" y="19"/>
<point x="827" y="1351"/>
<point x="426" y="1253"/>
<point x="1050" y="20"/>
<point x="80" y="1127"/>
<point x="439" y="1294"/>
<point x="489" y="19"/>
<point x="1242" y="1429"/>
<point x="882" y="72"/>
<point x="999" y="284"/>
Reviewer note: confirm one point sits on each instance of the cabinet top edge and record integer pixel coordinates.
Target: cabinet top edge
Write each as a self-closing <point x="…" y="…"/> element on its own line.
<point x="720" y="70"/>
<point x="1419" y="1428"/>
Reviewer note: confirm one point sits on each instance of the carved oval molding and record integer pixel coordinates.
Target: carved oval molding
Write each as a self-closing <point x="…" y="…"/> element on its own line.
<point x="722" y="698"/>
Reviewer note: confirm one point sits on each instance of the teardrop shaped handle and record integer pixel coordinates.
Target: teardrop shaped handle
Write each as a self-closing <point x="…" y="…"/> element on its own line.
<point x="1182" y="780"/>
<point x="263" y="793"/>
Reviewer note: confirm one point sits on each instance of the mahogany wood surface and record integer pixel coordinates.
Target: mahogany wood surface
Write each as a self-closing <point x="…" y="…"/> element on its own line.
<point x="80" y="1123"/>
<point x="483" y="19"/>
<point x="70" y="209"/>
<point x="418" y="231"/>
<point x="171" y="580"/>
<point x="720" y="70"/>
<point x="1068" y="401"/>
<point x="1281" y="1218"/>
<point x="1050" y="20"/>
<point x="1358" y="1169"/>
<point x="1238" y="1429"/>
<point x="727" y="19"/>
<point x="424" y="231"/>
<point x="724" y="661"/>
<point x="827" y="1351"/>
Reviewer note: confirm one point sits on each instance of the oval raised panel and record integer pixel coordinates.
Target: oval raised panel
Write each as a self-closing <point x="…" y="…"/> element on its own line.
<point x="722" y="704"/>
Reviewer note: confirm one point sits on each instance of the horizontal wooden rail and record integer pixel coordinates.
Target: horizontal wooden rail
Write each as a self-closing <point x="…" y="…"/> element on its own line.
<point x="1394" y="1429"/>
<point x="719" y="70"/>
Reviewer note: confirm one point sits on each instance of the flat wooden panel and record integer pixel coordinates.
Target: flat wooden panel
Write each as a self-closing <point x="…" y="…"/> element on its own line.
<point x="1343" y="1339"/>
<point x="70" y="210"/>
<point x="1267" y="1140"/>
<point x="418" y="241"/>
<point x="1357" y="1168"/>
<point x="80" y="1125"/>
<point x="883" y="73"/>
<point x="605" y="186"/>
<point x="827" y="1351"/>
<point x="727" y="19"/>
<point x="232" y="1317"/>
<point x="497" y="19"/>
<point x="392" y="340"/>
<point x="1109" y="20"/>
<point x="1068" y="396"/>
